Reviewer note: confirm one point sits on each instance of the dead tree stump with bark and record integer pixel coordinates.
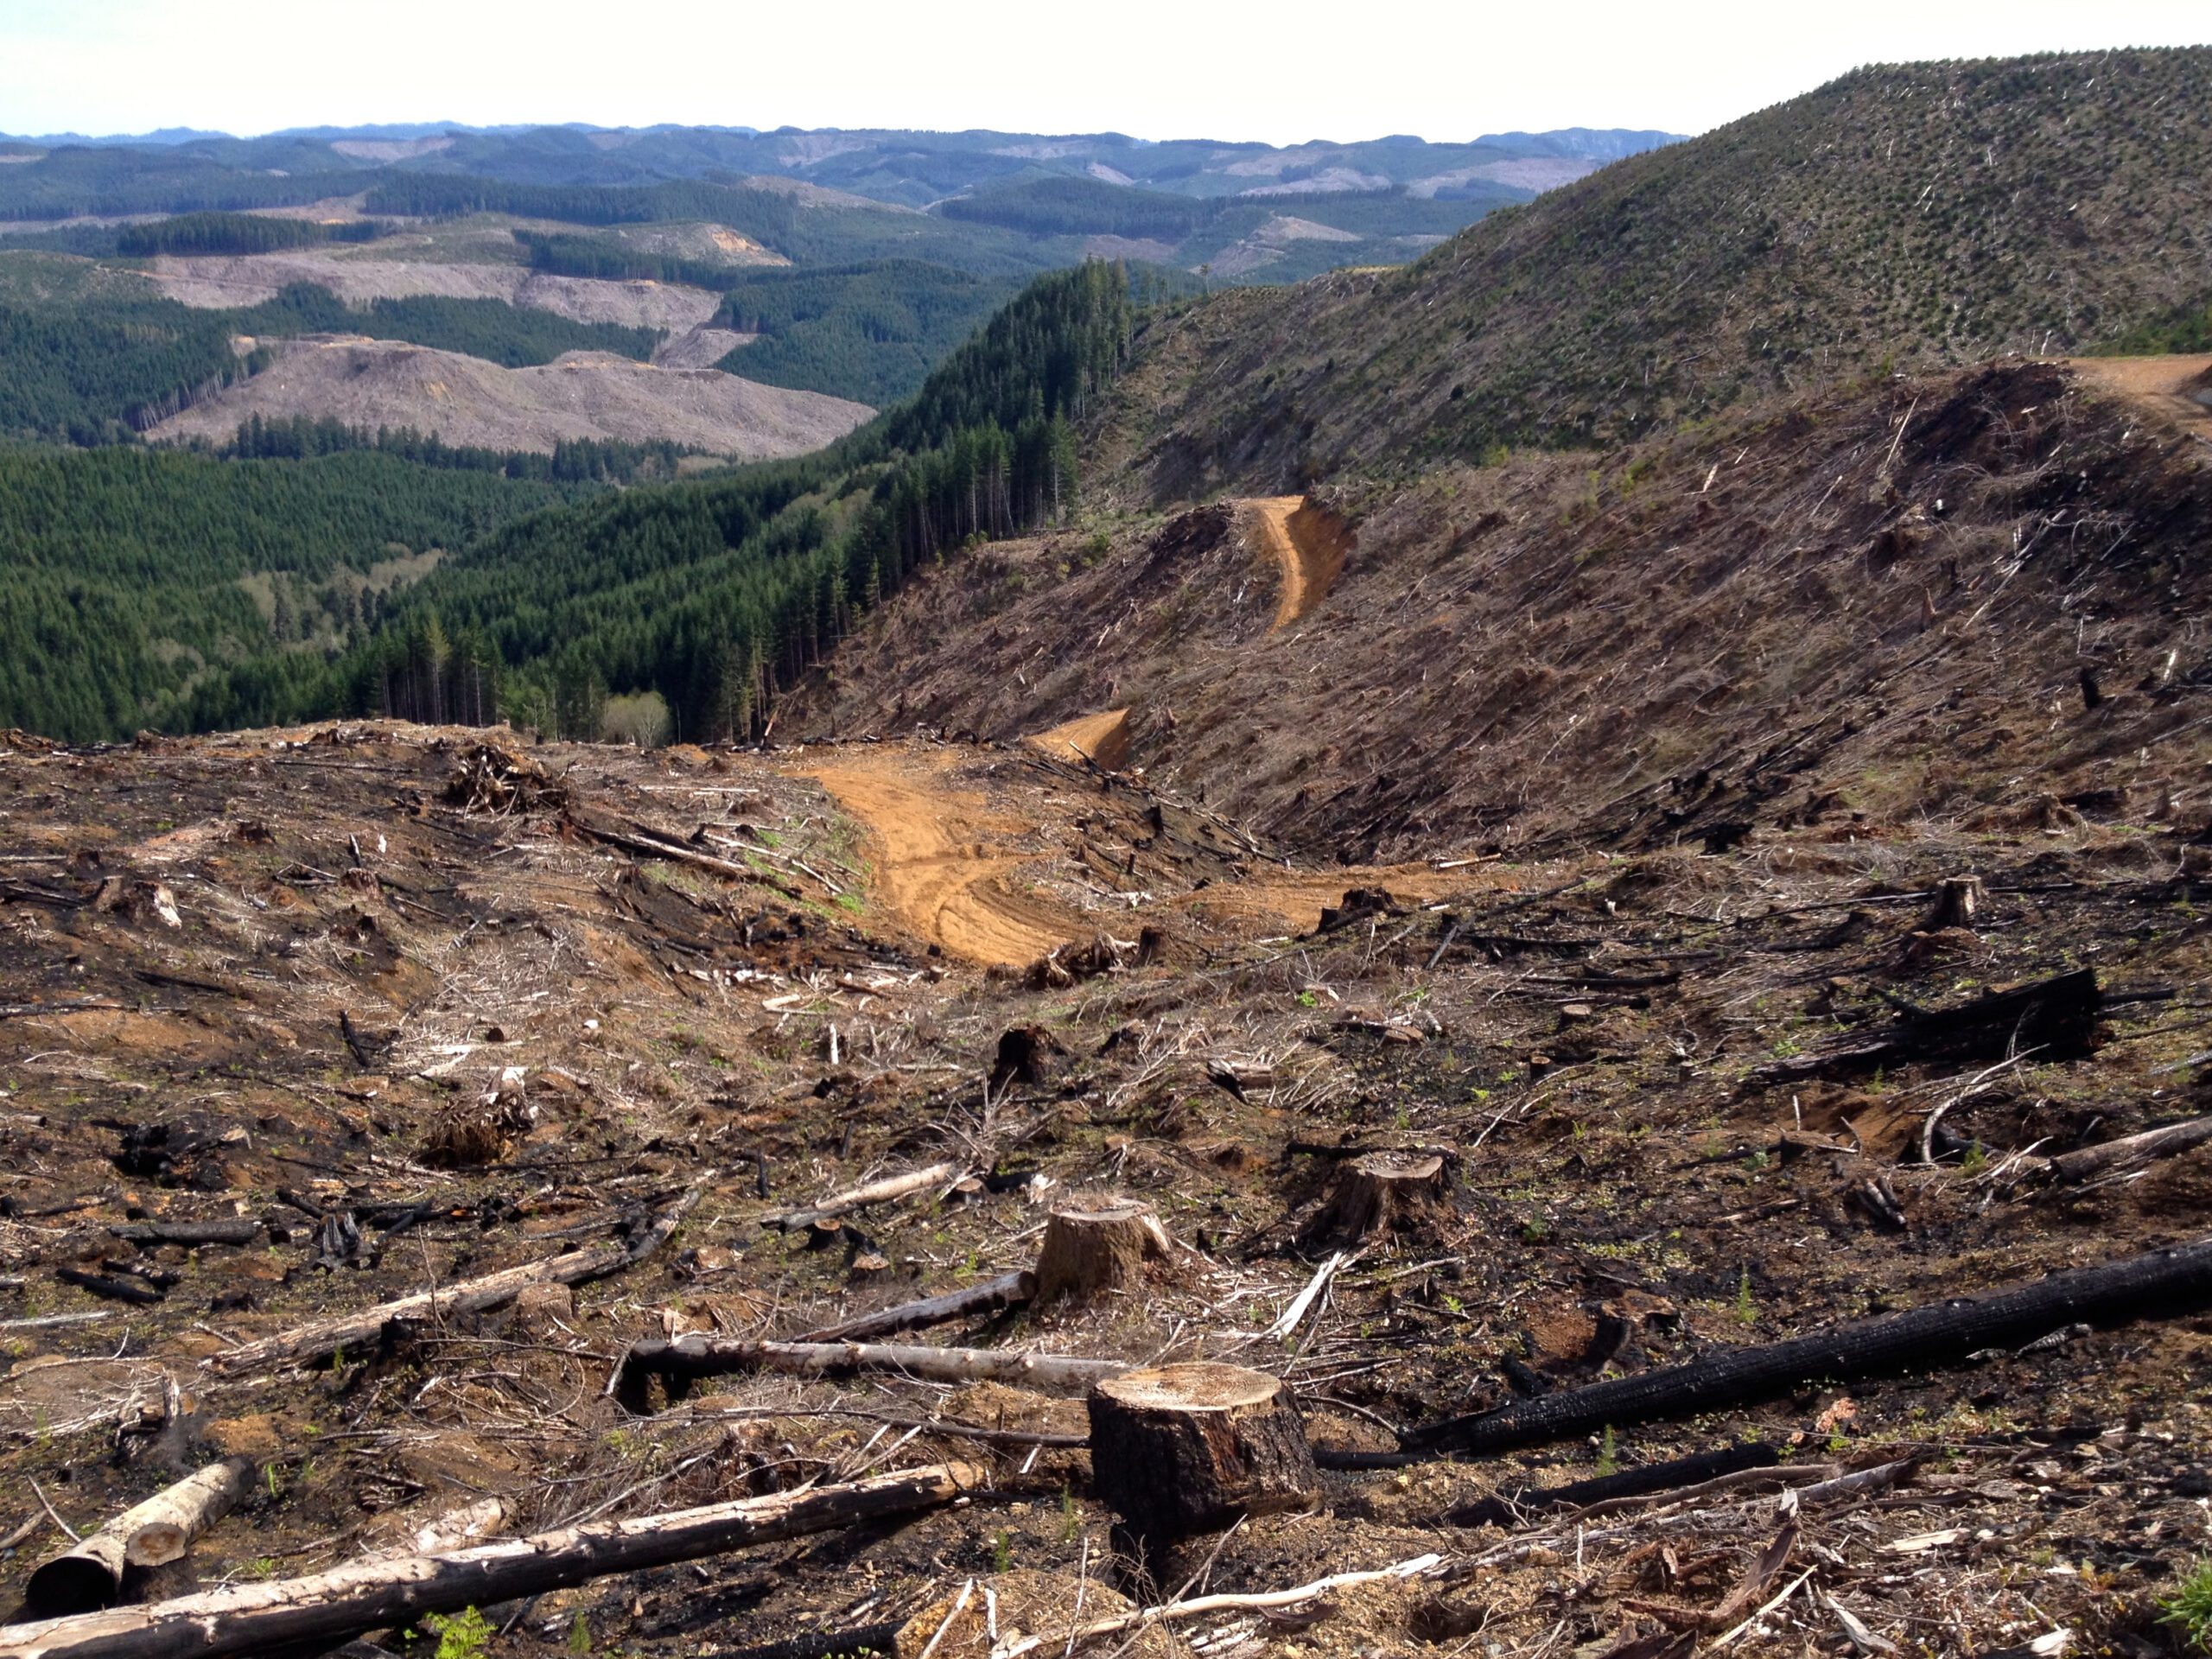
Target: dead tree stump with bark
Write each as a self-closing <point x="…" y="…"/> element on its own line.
<point x="1099" y="1246"/>
<point x="1379" y="1193"/>
<point x="1178" y="1449"/>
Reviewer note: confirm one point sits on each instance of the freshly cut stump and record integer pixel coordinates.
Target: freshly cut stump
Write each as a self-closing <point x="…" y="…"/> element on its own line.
<point x="1098" y="1247"/>
<point x="1178" y="1449"/>
<point x="1379" y="1193"/>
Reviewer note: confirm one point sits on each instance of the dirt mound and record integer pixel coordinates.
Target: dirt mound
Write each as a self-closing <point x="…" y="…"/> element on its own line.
<point x="1104" y="737"/>
<point x="467" y="401"/>
<point x="228" y="281"/>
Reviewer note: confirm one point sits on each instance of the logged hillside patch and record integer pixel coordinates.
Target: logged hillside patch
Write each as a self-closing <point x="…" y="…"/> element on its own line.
<point x="1933" y="213"/>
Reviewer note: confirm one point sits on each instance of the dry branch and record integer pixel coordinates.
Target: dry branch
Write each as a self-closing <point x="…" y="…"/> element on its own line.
<point x="1008" y="1290"/>
<point x="684" y="1361"/>
<point x="329" y="1607"/>
<point x="860" y="1197"/>
<point x="327" y="1337"/>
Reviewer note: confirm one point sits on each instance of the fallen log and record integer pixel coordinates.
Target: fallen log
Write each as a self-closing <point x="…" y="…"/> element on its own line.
<point x="186" y="1232"/>
<point x="135" y="1291"/>
<point x="1505" y="1509"/>
<point x="358" y="1331"/>
<point x="2057" y="1016"/>
<point x="89" y="1574"/>
<point x="861" y="1198"/>
<point x="342" y="1602"/>
<point x="2129" y="1151"/>
<point x="2162" y="1284"/>
<point x="632" y="841"/>
<point x="1008" y="1290"/>
<point x="687" y="1359"/>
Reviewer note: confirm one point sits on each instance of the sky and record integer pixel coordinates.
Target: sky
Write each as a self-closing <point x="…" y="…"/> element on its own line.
<point x="1282" y="73"/>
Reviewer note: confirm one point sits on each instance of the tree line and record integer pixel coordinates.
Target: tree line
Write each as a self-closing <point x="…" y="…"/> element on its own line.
<point x="217" y="233"/>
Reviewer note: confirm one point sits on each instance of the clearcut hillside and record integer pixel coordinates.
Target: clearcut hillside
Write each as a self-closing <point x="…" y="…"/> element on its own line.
<point x="1926" y="215"/>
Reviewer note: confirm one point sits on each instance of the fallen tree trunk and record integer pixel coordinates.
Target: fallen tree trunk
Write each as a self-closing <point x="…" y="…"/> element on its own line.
<point x="372" y="1595"/>
<point x="2162" y="1284"/>
<point x="2057" y="1016"/>
<point x="633" y="841"/>
<point x="327" y="1337"/>
<point x="1008" y="1290"/>
<point x="684" y="1361"/>
<point x="860" y="1197"/>
<point x="1504" y="1509"/>
<point x="186" y="1232"/>
<point x="89" y="1574"/>
<point x="2129" y="1151"/>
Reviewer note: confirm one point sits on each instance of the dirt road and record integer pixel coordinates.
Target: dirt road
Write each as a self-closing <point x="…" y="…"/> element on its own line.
<point x="2180" y="388"/>
<point x="943" y="863"/>
<point x="1308" y="545"/>
<point x="1104" y="737"/>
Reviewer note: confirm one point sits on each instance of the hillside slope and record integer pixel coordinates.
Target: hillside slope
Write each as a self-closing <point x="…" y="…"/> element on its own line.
<point x="1939" y="213"/>
<point x="1879" y="600"/>
<point x="468" y="402"/>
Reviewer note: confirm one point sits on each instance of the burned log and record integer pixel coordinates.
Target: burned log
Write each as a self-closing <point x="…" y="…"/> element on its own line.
<point x="1008" y="1290"/>
<point x="1505" y="1509"/>
<point x="2055" y="1016"/>
<point x="688" y="1359"/>
<point x="89" y="1573"/>
<point x="330" y="1607"/>
<point x="2162" y="1284"/>
<point x="1093" y="1249"/>
<point x="186" y="1232"/>
<point x="1178" y="1449"/>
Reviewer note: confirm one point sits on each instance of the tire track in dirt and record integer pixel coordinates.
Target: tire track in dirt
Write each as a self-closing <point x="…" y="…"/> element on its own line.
<point x="935" y="867"/>
<point x="1308" y="545"/>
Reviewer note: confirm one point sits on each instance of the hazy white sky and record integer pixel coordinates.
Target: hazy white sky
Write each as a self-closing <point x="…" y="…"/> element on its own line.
<point x="1156" y="68"/>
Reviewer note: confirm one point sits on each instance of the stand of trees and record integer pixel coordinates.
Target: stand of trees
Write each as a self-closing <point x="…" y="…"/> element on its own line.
<point x="206" y="233"/>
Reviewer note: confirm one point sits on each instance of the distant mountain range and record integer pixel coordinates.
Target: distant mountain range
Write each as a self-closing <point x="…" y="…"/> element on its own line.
<point x="907" y="168"/>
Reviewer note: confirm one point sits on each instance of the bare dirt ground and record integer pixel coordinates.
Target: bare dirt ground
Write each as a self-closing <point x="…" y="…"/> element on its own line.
<point x="467" y="401"/>
<point x="2179" y="387"/>
<point x="1308" y="545"/>
<point x="275" y="977"/>
<point x="222" y="282"/>
<point x="700" y="348"/>
<point x="1101" y="737"/>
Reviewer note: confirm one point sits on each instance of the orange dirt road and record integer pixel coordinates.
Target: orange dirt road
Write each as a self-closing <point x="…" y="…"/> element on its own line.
<point x="2176" y="387"/>
<point x="1103" y="738"/>
<point x="1308" y="545"/>
<point x="936" y="867"/>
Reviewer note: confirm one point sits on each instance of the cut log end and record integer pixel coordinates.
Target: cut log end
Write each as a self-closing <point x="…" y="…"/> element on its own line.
<point x="1178" y="1449"/>
<point x="1380" y="1193"/>
<point x="1099" y="1248"/>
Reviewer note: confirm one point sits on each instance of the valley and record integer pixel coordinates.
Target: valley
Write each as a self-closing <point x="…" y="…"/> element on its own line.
<point x="805" y="893"/>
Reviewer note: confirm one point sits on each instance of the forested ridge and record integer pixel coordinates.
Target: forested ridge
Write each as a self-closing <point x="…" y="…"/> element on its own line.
<point x="127" y="574"/>
<point x="718" y="592"/>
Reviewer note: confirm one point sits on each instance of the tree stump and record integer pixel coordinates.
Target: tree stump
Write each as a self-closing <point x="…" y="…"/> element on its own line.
<point x="1178" y="1449"/>
<point x="1098" y="1247"/>
<point x="1379" y="1193"/>
<point x="1958" y="897"/>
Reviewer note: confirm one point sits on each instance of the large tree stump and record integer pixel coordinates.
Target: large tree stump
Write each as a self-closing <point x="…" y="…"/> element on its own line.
<point x="1178" y="1449"/>
<point x="1379" y="1193"/>
<point x="1097" y="1246"/>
